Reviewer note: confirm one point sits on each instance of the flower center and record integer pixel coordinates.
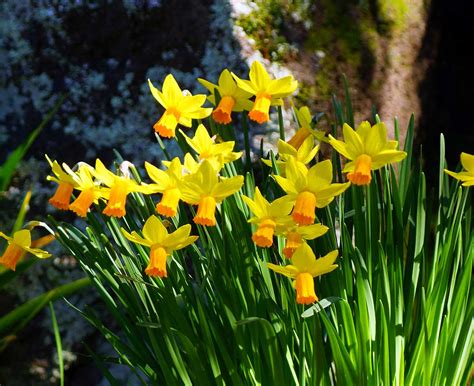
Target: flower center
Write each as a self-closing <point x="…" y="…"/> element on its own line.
<point x="118" y="197"/>
<point x="82" y="203"/>
<point x="206" y="212"/>
<point x="293" y="241"/>
<point x="223" y="110"/>
<point x="260" y="109"/>
<point x="305" y="289"/>
<point x="157" y="264"/>
<point x="168" y="206"/>
<point x="11" y="256"/>
<point x="166" y="125"/>
<point x="263" y="236"/>
<point x="62" y="196"/>
<point x="362" y="173"/>
<point x="305" y="205"/>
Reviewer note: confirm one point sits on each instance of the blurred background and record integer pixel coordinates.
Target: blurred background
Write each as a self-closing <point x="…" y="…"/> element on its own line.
<point x="400" y="57"/>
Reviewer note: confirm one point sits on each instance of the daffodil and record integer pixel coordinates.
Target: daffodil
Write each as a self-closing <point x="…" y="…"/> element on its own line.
<point x="305" y="267"/>
<point x="120" y="187"/>
<point x="297" y="235"/>
<point x="180" y="107"/>
<point x="268" y="92"/>
<point x="309" y="188"/>
<point x="167" y="182"/>
<point x="216" y="153"/>
<point x="304" y="119"/>
<point x="232" y="97"/>
<point x="368" y="149"/>
<point x="268" y="216"/>
<point x="91" y="192"/>
<point x="467" y="177"/>
<point x="62" y="196"/>
<point x="19" y="244"/>
<point x="205" y="189"/>
<point x="304" y="154"/>
<point x="161" y="243"/>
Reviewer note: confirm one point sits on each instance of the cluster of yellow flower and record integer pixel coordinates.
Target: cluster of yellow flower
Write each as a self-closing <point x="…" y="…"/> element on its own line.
<point x="198" y="181"/>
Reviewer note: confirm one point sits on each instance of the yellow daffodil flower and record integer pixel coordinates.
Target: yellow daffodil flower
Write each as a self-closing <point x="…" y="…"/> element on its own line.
<point x="90" y="190"/>
<point x="467" y="177"/>
<point x="179" y="108"/>
<point x="217" y="154"/>
<point x="166" y="182"/>
<point x="17" y="246"/>
<point x="268" y="92"/>
<point x="268" y="217"/>
<point x="62" y="196"/>
<point x="206" y="190"/>
<point x="297" y="235"/>
<point x="232" y="97"/>
<point x="368" y="149"/>
<point x="304" y="154"/>
<point x="161" y="243"/>
<point x="309" y="189"/>
<point x="304" y="119"/>
<point x="120" y="187"/>
<point x="304" y="268"/>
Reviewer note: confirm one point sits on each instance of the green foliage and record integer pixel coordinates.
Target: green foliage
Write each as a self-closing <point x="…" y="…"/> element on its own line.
<point x="397" y="311"/>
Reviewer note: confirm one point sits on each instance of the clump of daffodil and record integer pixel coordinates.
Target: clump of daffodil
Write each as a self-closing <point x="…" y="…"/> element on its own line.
<point x="62" y="196"/>
<point x="303" y="269"/>
<point x="467" y="176"/>
<point x="180" y="107"/>
<point x="161" y="243"/>
<point x="166" y="182"/>
<point x="268" y="92"/>
<point x="90" y="190"/>
<point x="232" y="97"/>
<point x="303" y="115"/>
<point x="19" y="244"/>
<point x="269" y="217"/>
<point x="367" y="149"/>
<point x="297" y="235"/>
<point x="206" y="148"/>
<point x="309" y="188"/>
<point x="120" y="188"/>
<point x="205" y="189"/>
<point x="304" y="154"/>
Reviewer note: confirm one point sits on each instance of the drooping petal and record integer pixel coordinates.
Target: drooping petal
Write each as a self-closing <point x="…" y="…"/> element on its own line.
<point x="289" y="270"/>
<point x="157" y="94"/>
<point x="387" y="156"/>
<point x="340" y="147"/>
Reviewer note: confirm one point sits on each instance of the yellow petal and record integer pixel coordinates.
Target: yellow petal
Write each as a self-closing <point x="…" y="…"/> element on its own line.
<point x="303" y="258"/>
<point x="327" y="194"/>
<point x="38" y="252"/>
<point x="22" y="238"/>
<point x="320" y="175"/>
<point x="245" y="85"/>
<point x="324" y="264"/>
<point x="189" y="104"/>
<point x="354" y="144"/>
<point x="171" y="91"/>
<point x="159" y="176"/>
<point x="280" y="88"/>
<point x="154" y="230"/>
<point x="135" y="238"/>
<point x="376" y="139"/>
<point x="210" y="86"/>
<point x="289" y="271"/>
<point x="227" y="188"/>
<point x="467" y="161"/>
<point x="156" y="94"/>
<point x="286" y="184"/>
<point x="313" y="231"/>
<point x="387" y="156"/>
<point x="340" y="147"/>
<point x="227" y="85"/>
<point x="259" y="76"/>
